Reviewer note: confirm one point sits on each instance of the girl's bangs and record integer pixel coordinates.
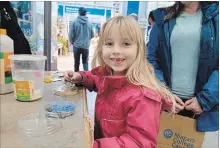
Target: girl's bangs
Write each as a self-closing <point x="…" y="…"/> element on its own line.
<point x="126" y="27"/>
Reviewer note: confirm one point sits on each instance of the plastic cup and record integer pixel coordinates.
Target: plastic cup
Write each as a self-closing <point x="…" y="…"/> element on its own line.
<point x="28" y="76"/>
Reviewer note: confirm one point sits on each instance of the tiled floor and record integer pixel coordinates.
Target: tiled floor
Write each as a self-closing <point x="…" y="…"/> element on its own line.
<point x="67" y="62"/>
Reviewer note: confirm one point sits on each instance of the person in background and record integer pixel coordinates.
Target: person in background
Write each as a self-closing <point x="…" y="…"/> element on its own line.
<point x="128" y="106"/>
<point x="98" y="29"/>
<point x="80" y="34"/>
<point x="184" y="50"/>
<point x="151" y="21"/>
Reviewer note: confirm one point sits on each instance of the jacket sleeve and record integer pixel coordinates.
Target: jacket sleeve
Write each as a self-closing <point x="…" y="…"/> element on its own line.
<point x="152" y="52"/>
<point x="71" y="33"/>
<point x="89" y="80"/>
<point x="208" y="97"/>
<point x="142" y="127"/>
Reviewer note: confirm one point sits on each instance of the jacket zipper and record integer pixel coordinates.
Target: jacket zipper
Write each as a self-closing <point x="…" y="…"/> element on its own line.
<point x="197" y="75"/>
<point x="169" y="46"/>
<point x="211" y="25"/>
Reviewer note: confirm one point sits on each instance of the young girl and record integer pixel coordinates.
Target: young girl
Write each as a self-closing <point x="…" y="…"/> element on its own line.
<point x="129" y="97"/>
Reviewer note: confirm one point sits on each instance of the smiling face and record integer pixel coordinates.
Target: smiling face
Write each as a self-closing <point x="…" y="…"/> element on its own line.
<point x="121" y="46"/>
<point x="118" y="52"/>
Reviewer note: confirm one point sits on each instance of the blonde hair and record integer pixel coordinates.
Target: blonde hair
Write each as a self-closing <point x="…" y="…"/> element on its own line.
<point x="141" y="72"/>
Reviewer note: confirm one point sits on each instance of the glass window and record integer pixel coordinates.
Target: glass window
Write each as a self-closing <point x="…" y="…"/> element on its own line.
<point x="31" y="21"/>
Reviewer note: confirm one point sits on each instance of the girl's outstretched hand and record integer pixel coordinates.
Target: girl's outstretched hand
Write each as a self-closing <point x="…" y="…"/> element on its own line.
<point x="73" y="77"/>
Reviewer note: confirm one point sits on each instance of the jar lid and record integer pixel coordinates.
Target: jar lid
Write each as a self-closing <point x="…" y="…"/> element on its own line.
<point x="27" y="57"/>
<point x="3" y="31"/>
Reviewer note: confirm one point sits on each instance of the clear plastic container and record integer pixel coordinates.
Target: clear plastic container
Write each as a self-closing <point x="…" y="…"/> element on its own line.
<point x="28" y="76"/>
<point x="38" y="131"/>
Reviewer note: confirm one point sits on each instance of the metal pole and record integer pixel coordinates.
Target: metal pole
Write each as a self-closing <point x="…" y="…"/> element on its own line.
<point x="47" y="34"/>
<point x="34" y="24"/>
<point x="124" y="8"/>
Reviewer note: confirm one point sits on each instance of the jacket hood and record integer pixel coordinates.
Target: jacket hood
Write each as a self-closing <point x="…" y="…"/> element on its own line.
<point x="210" y="10"/>
<point x="158" y="15"/>
<point x="82" y="19"/>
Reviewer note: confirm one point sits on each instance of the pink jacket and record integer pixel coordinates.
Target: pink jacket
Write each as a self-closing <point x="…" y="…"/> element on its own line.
<point x="126" y="116"/>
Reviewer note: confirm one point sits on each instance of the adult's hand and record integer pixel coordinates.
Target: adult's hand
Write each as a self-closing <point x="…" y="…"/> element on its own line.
<point x="179" y="104"/>
<point x="193" y="105"/>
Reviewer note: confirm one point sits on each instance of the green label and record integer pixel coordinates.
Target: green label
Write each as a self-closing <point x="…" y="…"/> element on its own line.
<point x="5" y="68"/>
<point x="22" y="90"/>
<point x="1" y="55"/>
<point x="8" y="80"/>
<point x="23" y="96"/>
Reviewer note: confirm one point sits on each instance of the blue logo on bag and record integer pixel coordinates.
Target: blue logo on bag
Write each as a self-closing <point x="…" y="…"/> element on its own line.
<point x="167" y="133"/>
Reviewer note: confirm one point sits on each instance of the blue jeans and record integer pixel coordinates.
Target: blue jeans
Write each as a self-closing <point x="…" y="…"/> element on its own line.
<point x="85" y="57"/>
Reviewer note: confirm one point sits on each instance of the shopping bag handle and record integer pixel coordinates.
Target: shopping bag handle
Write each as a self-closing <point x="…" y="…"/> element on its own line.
<point x="193" y="117"/>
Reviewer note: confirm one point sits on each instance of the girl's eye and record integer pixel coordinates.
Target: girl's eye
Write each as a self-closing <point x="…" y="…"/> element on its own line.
<point x="126" y="44"/>
<point x="108" y="43"/>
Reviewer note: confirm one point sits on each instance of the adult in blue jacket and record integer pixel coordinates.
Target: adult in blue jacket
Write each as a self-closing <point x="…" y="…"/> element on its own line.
<point x="80" y="34"/>
<point x="184" y="50"/>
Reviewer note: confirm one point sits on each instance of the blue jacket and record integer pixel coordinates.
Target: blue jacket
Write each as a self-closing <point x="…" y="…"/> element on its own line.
<point x="81" y="32"/>
<point x="207" y="83"/>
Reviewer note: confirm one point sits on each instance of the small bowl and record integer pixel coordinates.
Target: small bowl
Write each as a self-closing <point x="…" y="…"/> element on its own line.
<point x="60" y="109"/>
<point x="65" y="91"/>
<point x="36" y="125"/>
<point x="38" y="131"/>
